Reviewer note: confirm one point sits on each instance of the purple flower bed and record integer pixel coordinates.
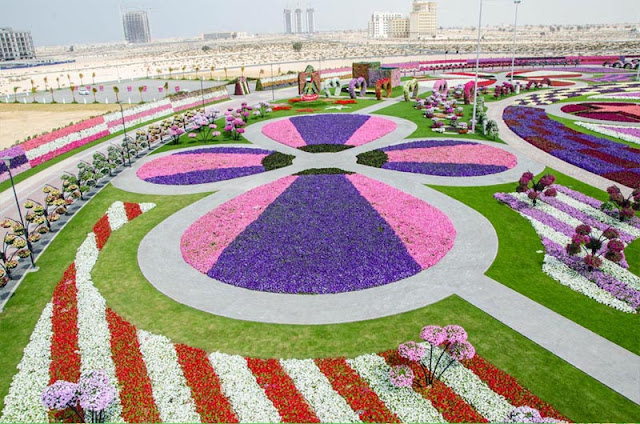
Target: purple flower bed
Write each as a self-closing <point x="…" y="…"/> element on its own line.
<point x="582" y="150"/>
<point x="232" y="150"/>
<point x="328" y="129"/>
<point x="206" y="176"/>
<point x="445" y="169"/>
<point x="319" y="236"/>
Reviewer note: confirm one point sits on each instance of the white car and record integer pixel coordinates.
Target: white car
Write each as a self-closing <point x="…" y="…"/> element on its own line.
<point x="83" y="92"/>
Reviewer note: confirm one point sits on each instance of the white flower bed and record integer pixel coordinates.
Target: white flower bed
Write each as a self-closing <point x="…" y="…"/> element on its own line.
<point x="23" y="403"/>
<point x="247" y="398"/>
<point x="117" y="215"/>
<point x="602" y="129"/>
<point x="408" y="405"/>
<point x="63" y="141"/>
<point x="328" y="405"/>
<point x="170" y="390"/>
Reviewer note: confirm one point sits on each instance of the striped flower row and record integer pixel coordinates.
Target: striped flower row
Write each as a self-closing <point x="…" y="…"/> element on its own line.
<point x="555" y="220"/>
<point x="623" y="132"/>
<point x="157" y="380"/>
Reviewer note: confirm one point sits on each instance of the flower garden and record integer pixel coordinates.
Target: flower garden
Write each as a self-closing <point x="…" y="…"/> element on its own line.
<point x="617" y="112"/>
<point x="98" y="345"/>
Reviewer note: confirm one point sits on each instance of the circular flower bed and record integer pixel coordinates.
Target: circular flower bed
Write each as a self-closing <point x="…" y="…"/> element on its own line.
<point x="205" y="165"/>
<point x="346" y="130"/>
<point x="618" y="112"/>
<point x="317" y="234"/>
<point x="451" y="158"/>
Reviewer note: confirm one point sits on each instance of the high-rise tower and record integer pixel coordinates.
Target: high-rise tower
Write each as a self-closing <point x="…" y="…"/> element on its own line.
<point x="311" y="27"/>
<point x="288" y="27"/>
<point x="136" y="27"/>
<point x="298" y="20"/>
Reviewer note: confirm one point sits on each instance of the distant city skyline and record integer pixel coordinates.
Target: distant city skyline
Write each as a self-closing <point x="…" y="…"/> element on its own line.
<point x="78" y="23"/>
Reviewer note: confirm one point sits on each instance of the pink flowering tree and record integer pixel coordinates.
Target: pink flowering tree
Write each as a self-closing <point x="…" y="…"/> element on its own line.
<point x="594" y="247"/>
<point x="451" y="340"/>
<point x="203" y="124"/>
<point x="626" y="206"/>
<point x="535" y="189"/>
<point x="234" y="126"/>
<point x="88" y="399"/>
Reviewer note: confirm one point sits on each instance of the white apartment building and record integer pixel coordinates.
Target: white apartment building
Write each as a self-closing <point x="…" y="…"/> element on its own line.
<point x="380" y="24"/>
<point x="16" y="45"/>
<point x="423" y="20"/>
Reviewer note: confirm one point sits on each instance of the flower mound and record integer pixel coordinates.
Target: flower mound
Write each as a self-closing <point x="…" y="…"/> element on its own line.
<point x="611" y="160"/>
<point x="618" y="112"/>
<point x="204" y="166"/>
<point x="318" y="234"/>
<point x="345" y="129"/>
<point x="451" y="158"/>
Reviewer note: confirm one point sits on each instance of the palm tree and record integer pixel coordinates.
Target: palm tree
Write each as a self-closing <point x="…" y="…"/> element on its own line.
<point x="33" y="91"/>
<point x="69" y="78"/>
<point x="93" y="78"/>
<point x="81" y="76"/>
<point x="94" y="90"/>
<point x="15" y="94"/>
<point x="196" y="68"/>
<point x="170" y="71"/>
<point x="148" y="69"/>
<point x="58" y="82"/>
<point x="183" y="69"/>
<point x="166" y="86"/>
<point x="141" y="89"/>
<point x="242" y="70"/>
<point x="158" y="71"/>
<point x="225" y="73"/>
<point x="53" y="100"/>
<point x="213" y="68"/>
<point x="46" y="85"/>
<point x="32" y="84"/>
<point x="116" y="90"/>
<point x="73" y="93"/>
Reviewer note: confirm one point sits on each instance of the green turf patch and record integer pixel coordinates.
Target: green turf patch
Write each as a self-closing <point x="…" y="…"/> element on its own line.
<point x="325" y="148"/>
<point x="277" y="160"/>
<point x="375" y="158"/>
<point x="324" y="171"/>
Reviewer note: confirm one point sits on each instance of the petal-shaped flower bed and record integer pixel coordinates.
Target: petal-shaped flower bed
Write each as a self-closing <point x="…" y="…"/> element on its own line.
<point x="347" y="130"/>
<point x="618" y="112"/>
<point x="206" y="165"/>
<point x="318" y="234"/>
<point x="451" y="158"/>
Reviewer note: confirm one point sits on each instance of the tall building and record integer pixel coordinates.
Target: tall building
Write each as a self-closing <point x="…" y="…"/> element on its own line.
<point x="399" y="28"/>
<point x="16" y="45"/>
<point x="311" y="27"/>
<point x="379" y="25"/>
<point x="288" y="27"/>
<point x="423" y="20"/>
<point x="298" y="20"/>
<point x="136" y="27"/>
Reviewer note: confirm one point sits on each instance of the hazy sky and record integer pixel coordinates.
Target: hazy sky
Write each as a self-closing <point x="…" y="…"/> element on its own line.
<point x="85" y="21"/>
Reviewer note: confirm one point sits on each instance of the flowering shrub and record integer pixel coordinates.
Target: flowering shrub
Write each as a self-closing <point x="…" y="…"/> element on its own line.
<point x="592" y="245"/>
<point x="626" y="207"/>
<point x="541" y="187"/>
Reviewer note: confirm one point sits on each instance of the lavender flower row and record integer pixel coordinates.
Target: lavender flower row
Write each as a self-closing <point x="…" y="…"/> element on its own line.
<point x="226" y="150"/>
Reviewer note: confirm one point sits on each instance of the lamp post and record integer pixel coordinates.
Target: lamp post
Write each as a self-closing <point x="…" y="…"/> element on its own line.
<point x="202" y="94"/>
<point x="126" y="139"/>
<point x="475" y="86"/>
<point x="7" y="162"/>
<point x="273" y="93"/>
<point x="515" y="30"/>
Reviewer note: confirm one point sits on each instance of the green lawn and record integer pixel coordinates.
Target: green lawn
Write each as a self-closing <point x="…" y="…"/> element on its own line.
<point x="571" y="124"/>
<point x="575" y="394"/>
<point x="405" y="110"/>
<point x="519" y="267"/>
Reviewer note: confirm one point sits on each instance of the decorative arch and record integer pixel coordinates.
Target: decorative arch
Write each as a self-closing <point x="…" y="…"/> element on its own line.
<point x="332" y="83"/>
<point x="442" y="87"/>
<point x="383" y="84"/>
<point x="359" y="83"/>
<point x="410" y="89"/>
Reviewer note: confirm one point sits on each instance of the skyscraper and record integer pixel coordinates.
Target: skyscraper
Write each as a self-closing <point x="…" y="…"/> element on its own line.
<point x="379" y="25"/>
<point x="136" y="27"/>
<point x="298" y="18"/>
<point x="311" y="27"/>
<point x="288" y="27"/>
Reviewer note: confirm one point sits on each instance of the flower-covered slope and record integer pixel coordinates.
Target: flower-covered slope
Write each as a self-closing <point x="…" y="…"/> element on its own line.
<point x="555" y="220"/>
<point x="451" y="158"/>
<point x="337" y="129"/>
<point x="157" y="380"/>
<point x="204" y="166"/>
<point x="318" y="234"/>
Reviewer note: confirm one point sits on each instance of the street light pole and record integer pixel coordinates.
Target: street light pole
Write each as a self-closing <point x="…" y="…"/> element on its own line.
<point x="475" y="89"/>
<point x="126" y="139"/>
<point x="202" y="93"/>
<point x="7" y="162"/>
<point x="515" y="30"/>
<point x="273" y="93"/>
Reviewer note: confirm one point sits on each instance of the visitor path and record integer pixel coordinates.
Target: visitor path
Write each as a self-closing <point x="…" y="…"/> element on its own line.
<point x="460" y="272"/>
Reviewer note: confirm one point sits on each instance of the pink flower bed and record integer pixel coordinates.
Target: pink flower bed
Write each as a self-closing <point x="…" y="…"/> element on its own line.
<point x="175" y="164"/>
<point x="373" y="129"/>
<point x="284" y="132"/>
<point x="63" y="132"/>
<point x="478" y="154"/>
<point x="204" y="241"/>
<point x="55" y="153"/>
<point x="140" y="115"/>
<point x="427" y="233"/>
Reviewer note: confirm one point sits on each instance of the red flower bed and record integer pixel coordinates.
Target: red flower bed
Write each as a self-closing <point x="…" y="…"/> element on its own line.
<point x="281" y="390"/>
<point x="295" y="100"/>
<point x="102" y="230"/>
<point x="504" y="384"/>
<point x="452" y="407"/>
<point x="628" y="178"/>
<point x="277" y="108"/>
<point x="210" y="402"/>
<point x="65" y="360"/>
<point x="135" y="387"/>
<point x="345" y="102"/>
<point x="306" y="110"/>
<point x="574" y="108"/>
<point x="348" y="384"/>
<point x="610" y="158"/>
<point x="580" y="139"/>
<point x="616" y="112"/>
<point x="544" y="144"/>
<point x="133" y="210"/>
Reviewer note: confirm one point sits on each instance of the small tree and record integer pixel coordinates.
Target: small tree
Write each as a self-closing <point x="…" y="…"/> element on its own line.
<point x="212" y="68"/>
<point x="53" y="100"/>
<point x="170" y="71"/>
<point x="15" y="94"/>
<point x="73" y="93"/>
<point x="46" y="83"/>
<point x="140" y="90"/>
<point x="94" y="91"/>
<point x="58" y="82"/>
<point x="492" y="129"/>
<point x="93" y="78"/>
<point x="184" y="67"/>
<point x="297" y="46"/>
<point x="625" y="206"/>
<point x="585" y="240"/>
<point x="116" y="91"/>
<point x="80" y="75"/>
<point x="541" y="187"/>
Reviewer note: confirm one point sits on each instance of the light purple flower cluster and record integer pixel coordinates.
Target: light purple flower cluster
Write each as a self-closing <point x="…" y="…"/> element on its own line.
<point x="401" y="376"/>
<point x="411" y="351"/>
<point x="96" y="393"/>
<point x="60" y="395"/>
<point x="526" y="414"/>
<point x="601" y="156"/>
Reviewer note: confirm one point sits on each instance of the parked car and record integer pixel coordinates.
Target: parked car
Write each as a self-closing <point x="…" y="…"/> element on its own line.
<point x="83" y="92"/>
